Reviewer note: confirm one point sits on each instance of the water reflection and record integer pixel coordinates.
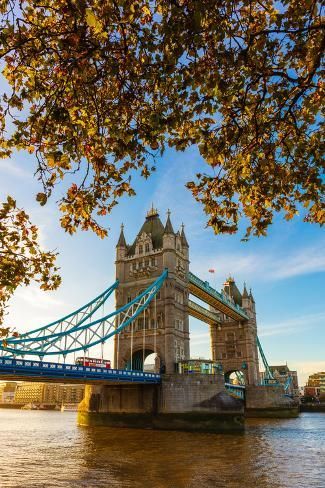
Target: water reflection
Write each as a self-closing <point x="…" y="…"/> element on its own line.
<point x="47" y="449"/>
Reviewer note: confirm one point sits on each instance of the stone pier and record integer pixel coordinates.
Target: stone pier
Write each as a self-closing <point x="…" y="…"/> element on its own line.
<point x="269" y="401"/>
<point x="192" y="403"/>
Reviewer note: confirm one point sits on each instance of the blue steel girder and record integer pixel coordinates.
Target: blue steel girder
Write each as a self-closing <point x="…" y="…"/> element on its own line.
<point x="268" y="372"/>
<point x="73" y="319"/>
<point x="19" y="369"/>
<point x="236" y="390"/>
<point x="202" y="290"/>
<point x="84" y="336"/>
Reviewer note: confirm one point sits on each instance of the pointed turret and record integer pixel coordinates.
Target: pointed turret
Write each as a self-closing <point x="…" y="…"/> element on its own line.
<point x="251" y="296"/>
<point x="121" y="241"/>
<point x="168" y="227"/>
<point x="245" y="293"/>
<point x="246" y="301"/>
<point x="183" y="237"/>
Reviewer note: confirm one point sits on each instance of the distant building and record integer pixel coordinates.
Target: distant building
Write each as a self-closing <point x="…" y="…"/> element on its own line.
<point x="51" y="393"/>
<point x="282" y="373"/>
<point x="29" y="392"/>
<point x="315" y="386"/>
<point x="9" y="390"/>
<point x="48" y="393"/>
<point x="71" y="393"/>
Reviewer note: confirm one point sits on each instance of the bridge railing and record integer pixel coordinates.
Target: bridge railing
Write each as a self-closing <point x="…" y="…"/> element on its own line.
<point x="237" y="390"/>
<point x="219" y="296"/>
<point x="22" y="367"/>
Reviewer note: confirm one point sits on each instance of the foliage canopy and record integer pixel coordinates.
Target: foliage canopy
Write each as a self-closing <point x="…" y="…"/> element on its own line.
<point x="103" y="86"/>
<point x="21" y="259"/>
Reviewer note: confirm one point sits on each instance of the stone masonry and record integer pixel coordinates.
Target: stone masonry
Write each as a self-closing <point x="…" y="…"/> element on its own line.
<point x="163" y="328"/>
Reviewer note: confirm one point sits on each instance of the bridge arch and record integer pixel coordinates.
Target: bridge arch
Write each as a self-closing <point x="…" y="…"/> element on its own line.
<point x="139" y="356"/>
<point x="236" y="376"/>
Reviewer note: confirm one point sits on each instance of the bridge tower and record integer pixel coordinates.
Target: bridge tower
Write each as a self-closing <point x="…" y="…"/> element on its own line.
<point x="163" y="328"/>
<point x="234" y="342"/>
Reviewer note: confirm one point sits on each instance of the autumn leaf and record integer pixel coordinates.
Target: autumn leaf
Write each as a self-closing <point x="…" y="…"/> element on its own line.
<point x="98" y="90"/>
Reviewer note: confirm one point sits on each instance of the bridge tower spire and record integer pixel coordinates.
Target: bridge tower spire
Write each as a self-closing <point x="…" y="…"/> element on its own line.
<point x="234" y="342"/>
<point x="164" y="327"/>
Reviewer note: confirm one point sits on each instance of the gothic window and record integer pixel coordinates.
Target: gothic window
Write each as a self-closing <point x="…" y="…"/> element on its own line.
<point x="147" y="247"/>
<point x="129" y="298"/>
<point x="158" y="295"/>
<point x="140" y="323"/>
<point x="146" y="263"/>
<point x="140" y="249"/>
<point x="179" y="324"/>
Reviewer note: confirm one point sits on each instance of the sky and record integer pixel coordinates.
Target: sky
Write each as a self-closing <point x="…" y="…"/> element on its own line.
<point x="285" y="269"/>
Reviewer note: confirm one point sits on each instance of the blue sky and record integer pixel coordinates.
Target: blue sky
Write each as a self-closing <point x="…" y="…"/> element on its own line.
<point x="285" y="270"/>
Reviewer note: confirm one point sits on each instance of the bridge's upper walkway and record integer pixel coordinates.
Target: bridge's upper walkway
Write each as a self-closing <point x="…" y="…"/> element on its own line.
<point x="201" y="313"/>
<point x="202" y="290"/>
<point x="31" y="370"/>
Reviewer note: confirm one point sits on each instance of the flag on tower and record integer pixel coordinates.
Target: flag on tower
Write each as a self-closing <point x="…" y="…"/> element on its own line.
<point x="212" y="270"/>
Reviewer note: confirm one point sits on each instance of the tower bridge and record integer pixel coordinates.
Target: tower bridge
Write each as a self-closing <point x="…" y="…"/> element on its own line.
<point x="155" y="294"/>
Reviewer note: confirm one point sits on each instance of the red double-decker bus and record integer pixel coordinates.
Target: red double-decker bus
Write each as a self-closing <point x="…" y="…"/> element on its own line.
<point x="94" y="362"/>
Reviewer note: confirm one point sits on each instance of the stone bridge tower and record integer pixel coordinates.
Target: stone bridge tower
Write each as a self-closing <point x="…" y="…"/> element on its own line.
<point x="163" y="328"/>
<point x="233" y="342"/>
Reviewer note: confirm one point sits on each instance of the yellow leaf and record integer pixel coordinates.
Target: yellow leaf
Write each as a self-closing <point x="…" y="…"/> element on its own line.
<point x="91" y="18"/>
<point x="146" y="10"/>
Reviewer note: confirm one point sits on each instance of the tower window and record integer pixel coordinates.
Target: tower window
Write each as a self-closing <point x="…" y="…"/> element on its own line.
<point x="147" y="247"/>
<point x="140" y="249"/>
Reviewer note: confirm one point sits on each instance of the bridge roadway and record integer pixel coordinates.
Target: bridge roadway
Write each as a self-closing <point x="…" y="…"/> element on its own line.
<point x="202" y="290"/>
<point x="45" y="372"/>
<point x="31" y="370"/>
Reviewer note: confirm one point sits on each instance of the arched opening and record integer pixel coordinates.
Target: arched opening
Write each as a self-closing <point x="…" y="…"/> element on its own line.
<point x="143" y="360"/>
<point x="236" y="377"/>
<point x="150" y="362"/>
<point x="235" y="381"/>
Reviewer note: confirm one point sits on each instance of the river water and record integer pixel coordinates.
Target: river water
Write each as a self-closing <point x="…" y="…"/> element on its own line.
<point x="45" y="449"/>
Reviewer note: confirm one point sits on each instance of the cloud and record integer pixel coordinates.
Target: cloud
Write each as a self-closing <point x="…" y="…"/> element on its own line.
<point x="262" y="267"/>
<point x="12" y="168"/>
<point x="38" y="298"/>
<point x="307" y="368"/>
<point x="291" y="325"/>
<point x="304" y="261"/>
<point x="200" y="339"/>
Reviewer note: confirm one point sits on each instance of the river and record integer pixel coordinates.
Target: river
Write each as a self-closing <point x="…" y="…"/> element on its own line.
<point x="46" y="449"/>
